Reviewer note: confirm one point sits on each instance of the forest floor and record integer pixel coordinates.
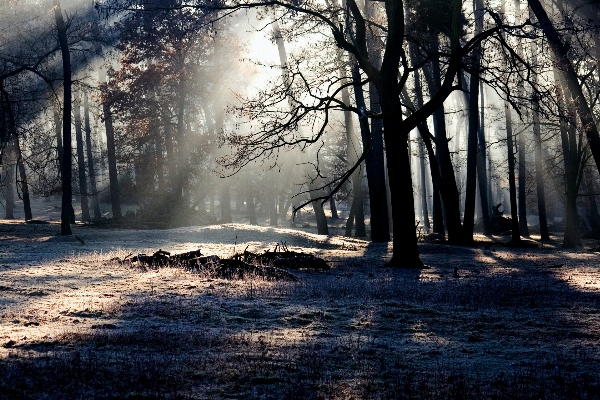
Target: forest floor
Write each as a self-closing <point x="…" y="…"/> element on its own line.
<point x="486" y="321"/>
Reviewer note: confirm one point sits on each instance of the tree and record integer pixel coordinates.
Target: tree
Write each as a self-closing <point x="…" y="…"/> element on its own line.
<point x="65" y="226"/>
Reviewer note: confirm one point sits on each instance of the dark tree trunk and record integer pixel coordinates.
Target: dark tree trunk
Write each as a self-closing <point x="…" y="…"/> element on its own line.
<point x="522" y="186"/>
<point x="516" y="234"/>
<point x="438" y="221"/>
<point x="322" y="228"/>
<point x="24" y="185"/>
<point x="85" y="211"/>
<point x="375" y="164"/>
<point x="448" y="188"/>
<point x="90" y="158"/>
<point x="539" y="175"/>
<point x="353" y="153"/>
<point x="59" y="146"/>
<point x="67" y="207"/>
<point x="350" y="221"/>
<point x="423" y="182"/>
<point x="436" y="212"/>
<point x="469" y="217"/>
<point x="405" y="250"/>
<point x="539" y="163"/>
<point x="572" y="161"/>
<point x="482" y="177"/>
<point x="334" y="213"/>
<point x="9" y="182"/>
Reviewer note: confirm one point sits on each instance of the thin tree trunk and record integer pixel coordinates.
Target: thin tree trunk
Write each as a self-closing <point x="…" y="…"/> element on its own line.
<point x="90" y="158"/>
<point x="482" y="178"/>
<point x="353" y="154"/>
<point x="9" y="181"/>
<point x="23" y="180"/>
<point x="59" y="146"/>
<point x="350" y="222"/>
<point x="474" y="128"/>
<point x="85" y="211"/>
<point x="67" y="207"/>
<point x="423" y="182"/>
<point x="516" y="234"/>
<point x="334" y="213"/>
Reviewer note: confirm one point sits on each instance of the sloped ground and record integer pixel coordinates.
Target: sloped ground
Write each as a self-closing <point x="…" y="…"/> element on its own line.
<point x="482" y="322"/>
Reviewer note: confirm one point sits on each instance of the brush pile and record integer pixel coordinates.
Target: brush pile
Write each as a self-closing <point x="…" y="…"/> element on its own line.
<point x="271" y="265"/>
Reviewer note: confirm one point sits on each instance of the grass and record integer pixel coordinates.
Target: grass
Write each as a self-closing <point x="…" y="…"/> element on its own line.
<point x="511" y="325"/>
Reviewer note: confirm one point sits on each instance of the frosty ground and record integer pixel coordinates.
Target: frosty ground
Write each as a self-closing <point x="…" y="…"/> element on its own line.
<point x="486" y="321"/>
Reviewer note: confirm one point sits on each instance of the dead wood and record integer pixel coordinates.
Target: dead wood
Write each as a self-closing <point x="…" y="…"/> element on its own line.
<point x="282" y="257"/>
<point x="213" y="265"/>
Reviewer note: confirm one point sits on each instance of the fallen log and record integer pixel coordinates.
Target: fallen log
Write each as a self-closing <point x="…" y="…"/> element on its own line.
<point x="285" y="259"/>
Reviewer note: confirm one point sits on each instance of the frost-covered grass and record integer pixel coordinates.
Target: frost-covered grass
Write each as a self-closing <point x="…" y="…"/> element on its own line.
<point x="512" y="323"/>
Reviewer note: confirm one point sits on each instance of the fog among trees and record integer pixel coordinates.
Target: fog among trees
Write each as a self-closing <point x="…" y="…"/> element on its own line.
<point x="299" y="199"/>
<point x="415" y="120"/>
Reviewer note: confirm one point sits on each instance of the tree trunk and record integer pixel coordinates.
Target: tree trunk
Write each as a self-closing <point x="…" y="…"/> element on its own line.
<point x="539" y="164"/>
<point x="350" y="221"/>
<point x="516" y="234"/>
<point x="375" y="164"/>
<point x="67" y="207"/>
<point x="375" y="173"/>
<point x="322" y="228"/>
<point x="448" y="188"/>
<point x="85" y="211"/>
<point x="539" y="174"/>
<point x="474" y="128"/>
<point x="59" y="146"/>
<point x="482" y="178"/>
<point x="24" y="185"/>
<point x="90" y="158"/>
<point x="334" y="213"/>
<point x="353" y="153"/>
<point x="9" y="181"/>
<point x="423" y="182"/>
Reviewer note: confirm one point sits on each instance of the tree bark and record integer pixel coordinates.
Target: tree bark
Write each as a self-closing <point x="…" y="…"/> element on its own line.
<point x="423" y="182"/>
<point x="23" y="180"/>
<point x="59" y="146"/>
<point x="85" y="210"/>
<point x="375" y="164"/>
<point x="474" y="128"/>
<point x="539" y="174"/>
<point x="450" y="195"/>
<point x="90" y="158"/>
<point x="516" y="234"/>
<point x="353" y="152"/>
<point x="9" y="181"/>
<point x="482" y="178"/>
<point x="67" y="192"/>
